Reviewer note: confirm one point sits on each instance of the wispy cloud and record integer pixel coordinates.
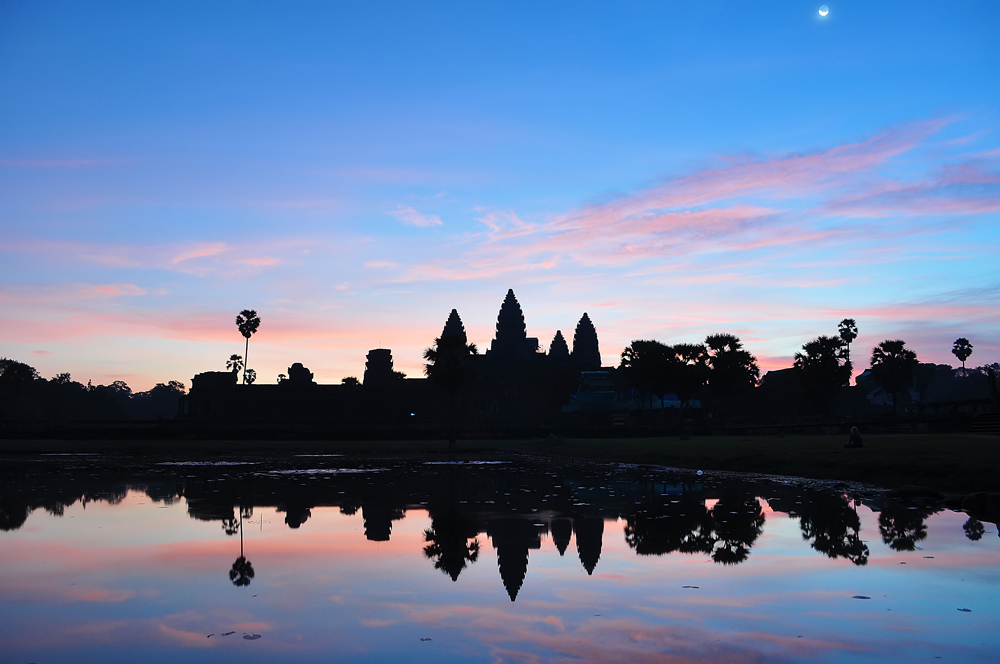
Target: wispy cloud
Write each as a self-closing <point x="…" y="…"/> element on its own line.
<point x="409" y="216"/>
<point x="737" y="205"/>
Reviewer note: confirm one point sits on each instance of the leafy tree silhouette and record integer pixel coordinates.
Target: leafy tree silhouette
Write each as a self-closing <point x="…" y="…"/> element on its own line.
<point x="962" y="350"/>
<point x="449" y="544"/>
<point x="834" y="528"/>
<point x="247" y="321"/>
<point x="350" y="381"/>
<point x="893" y="366"/>
<point x="974" y="529"/>
<point x="824" y="369"/>
<point x="647" y="365"/>
<point x="690" y="374"/>
<point x="451" y="366"/>
<point x="733" y="369"/>
<point x="902" y="527"/>
<point x="249" y="376"/>
<point x="234" y="363"/>
<point x="739" y="521"/>
<point x="848" y="330"/>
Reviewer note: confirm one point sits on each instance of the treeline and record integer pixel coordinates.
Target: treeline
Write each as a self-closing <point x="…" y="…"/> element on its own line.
<point x="25" y="395"/>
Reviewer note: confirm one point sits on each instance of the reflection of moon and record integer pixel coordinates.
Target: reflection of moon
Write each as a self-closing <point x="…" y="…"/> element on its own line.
<point x="824" y="10"/>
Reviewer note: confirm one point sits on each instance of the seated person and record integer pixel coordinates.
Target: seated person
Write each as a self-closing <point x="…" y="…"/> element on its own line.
<point x="855" y="439"/>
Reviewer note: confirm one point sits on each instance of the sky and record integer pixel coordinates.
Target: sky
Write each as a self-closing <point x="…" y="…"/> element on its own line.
<point x="353" y="171"/>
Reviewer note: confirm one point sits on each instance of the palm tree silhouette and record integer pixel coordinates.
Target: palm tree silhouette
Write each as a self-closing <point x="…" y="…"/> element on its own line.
<point x="962" y="350"/>
<point x="234" y="363"/>
<point x="848" y="332"/>
<point x="733" y="368"/>
<point x="451" y="366"/>
<point x="247" y="321"/>
<point x="893" y="366"/>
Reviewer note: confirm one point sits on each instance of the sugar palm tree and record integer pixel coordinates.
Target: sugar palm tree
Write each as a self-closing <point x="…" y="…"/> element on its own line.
<point x="452" y="367"/>
<point x="848" y="332"/>
<point x="234" y="363"/>
<point x="962" y="350"/>
<point x="893" y="366"/>
<point x="247" y="321"/>
<point x="733" y="369"/>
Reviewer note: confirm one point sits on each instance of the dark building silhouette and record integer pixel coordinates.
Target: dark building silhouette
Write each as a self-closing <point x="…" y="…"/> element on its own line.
<point x="562" y="530"/>
<point x="586" y="352"/>
<point x="589" y="541"/>
<point x="378" y="518"/>
<point x="378" y="368"/>
<point x="512" y="538"/>
<point x="295" y="514"/>
<point x="454" y="329"/>
<point x="299" y="375"/>
<point x="558" y="350"/>
<point x="512" y="341"/>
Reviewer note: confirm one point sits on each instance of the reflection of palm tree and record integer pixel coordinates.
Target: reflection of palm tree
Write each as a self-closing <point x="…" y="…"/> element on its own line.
<point x="449" y="544"/>
<point x="242" y="571"/>
<point x="902" y="527"/>
<point x="739" y="521"/>
<point x="833" y="527"/>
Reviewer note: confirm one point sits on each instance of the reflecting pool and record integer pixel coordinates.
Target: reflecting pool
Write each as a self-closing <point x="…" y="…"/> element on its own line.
<point x="330" y="558"/>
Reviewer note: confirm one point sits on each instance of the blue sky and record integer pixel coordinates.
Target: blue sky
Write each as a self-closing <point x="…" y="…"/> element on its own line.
<point x="354" y="171"/>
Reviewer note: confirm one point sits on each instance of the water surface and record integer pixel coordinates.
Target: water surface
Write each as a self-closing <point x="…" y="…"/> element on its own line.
<point x="328" y="558"/>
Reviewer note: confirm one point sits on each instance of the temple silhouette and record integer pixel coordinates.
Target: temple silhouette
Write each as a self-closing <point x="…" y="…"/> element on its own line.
<point x="513" y="384"/>
<point x="512" y="387"/>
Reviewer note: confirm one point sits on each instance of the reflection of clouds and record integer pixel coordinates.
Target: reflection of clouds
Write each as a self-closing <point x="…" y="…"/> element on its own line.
<point x="534" y="637"/>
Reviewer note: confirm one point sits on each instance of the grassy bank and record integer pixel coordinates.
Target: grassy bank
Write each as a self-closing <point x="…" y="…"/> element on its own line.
<point x="950" y="463"/>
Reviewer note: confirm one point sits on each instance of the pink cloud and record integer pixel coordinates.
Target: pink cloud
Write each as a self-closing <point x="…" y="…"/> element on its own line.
<point x="411" y="217"/>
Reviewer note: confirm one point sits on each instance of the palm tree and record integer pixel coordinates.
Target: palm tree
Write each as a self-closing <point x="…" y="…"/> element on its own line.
<point x="691" y="373"/>
<point x="848" y="332"/>
<point x="234" y="363"/>
<point x="893" y="366"/>
<point x="451" y="366"/>
<point x="734" y="369"/>
<point x="823" y="369"/>
<point x="247" y="321"/>
<point x="962" y="350"/>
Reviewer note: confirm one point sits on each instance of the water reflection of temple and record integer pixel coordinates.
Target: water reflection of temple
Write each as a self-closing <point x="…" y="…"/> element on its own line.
<point x="513" y="507"/>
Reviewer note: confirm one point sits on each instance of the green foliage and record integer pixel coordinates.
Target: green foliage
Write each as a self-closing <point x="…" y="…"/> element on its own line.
<point x="234" y="363"/>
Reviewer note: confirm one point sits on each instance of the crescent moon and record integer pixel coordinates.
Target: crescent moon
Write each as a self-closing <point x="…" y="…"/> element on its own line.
<point x="824" y="10"/>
